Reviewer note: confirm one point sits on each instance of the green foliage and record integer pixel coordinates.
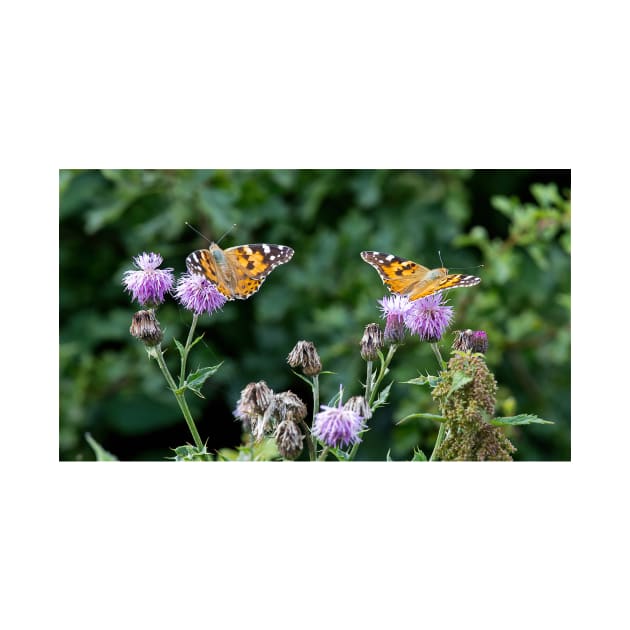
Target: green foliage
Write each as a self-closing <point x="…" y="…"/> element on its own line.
<point x="518" y="227"/>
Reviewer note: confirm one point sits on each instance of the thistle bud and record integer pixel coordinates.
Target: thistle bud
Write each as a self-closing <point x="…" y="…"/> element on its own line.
<point x="371" y="342"/>
<point x="471" y="340"/>
<point x="289" y="439"/>
<point x="359" y="405"/>
<point x="254" y="400"/>
<point x="304" y="354"/>
<point x="288" y="406"/>
<point x="146" y="328"/>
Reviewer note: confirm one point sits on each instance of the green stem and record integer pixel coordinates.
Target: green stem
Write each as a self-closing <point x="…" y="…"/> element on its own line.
<point x="315" y="409"/>
<point x="309" y="441"/>
<point x="438" y="356"/>
<point x="368" y="380"/>
<point x="179" y="396"/>
<point x="322" y="457"/>
<point x="382" y="371"/>
<point x="191" y="332"/>
<point x="438" y="441"/>
<point x="442" y="431"/>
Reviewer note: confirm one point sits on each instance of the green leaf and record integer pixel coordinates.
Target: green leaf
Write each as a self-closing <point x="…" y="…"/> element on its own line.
<point x="306" y="380"/>
<point x="523" y="418"/>
<point x="418" y="456"/>
<point x="340" y="454"/>
<point x="429" y="379"/>
<point x="197" y="378"/>
<point x="179" y="347"/>
<point x="101" y="454"/>
<point x="459" y="380"/>
<point x="382" y="397"/>
<point x="190" y="453"/>
<point x="426" y="416"/>
<point x="196" y="341"/>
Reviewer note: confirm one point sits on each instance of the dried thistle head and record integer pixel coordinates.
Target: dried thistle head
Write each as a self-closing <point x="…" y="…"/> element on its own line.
<point x="146" y="327"/>
<point x="371" y="342"/>
<point x="289" y="439"/>
<point x="304" y="354"/>
<point x="471" y="340"/>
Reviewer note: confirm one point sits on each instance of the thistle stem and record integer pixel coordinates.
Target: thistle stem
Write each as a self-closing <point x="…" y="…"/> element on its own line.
<point x="438" y="356"/>
<point x="179" y="396"/>
<point x="191" y="332"/>
<point x="368" y="380"/>
<point x="309" y="441"/>
<point x="438" y="441"/>
<point x="315" y="387"/>
<point x="442" y="431"/>
<point x="382" y="371"/>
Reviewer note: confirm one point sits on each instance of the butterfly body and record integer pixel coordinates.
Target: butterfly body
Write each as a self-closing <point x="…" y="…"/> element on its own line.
<point x="406" y="277"/>
<point x="238" y="272"/>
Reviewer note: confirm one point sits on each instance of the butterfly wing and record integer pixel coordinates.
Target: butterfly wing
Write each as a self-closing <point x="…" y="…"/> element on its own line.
<point x="251" y="264"/>
<point x="398" y="275"/>
<point x="452" y="281"/>
<point x="202" y="262"/>
<point x="406" y="277"/>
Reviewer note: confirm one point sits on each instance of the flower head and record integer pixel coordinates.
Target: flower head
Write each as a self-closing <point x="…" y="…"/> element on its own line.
<point x="360" y="405"/>
<point x="146" y="328"/>
<point x="288" y="406"/>
<point x="197" y="294"/>
<point x="148" y="284"/>
<point x="429" y="317"/>
<point x="305" y="355"/>
<point x="473" y="340"/>
<point x="337" y="426"/>
<point x="371" y="342"/>
<point x="254" y="400"/>
<point x="289" y="439"/>
<point x="394" y="308"/>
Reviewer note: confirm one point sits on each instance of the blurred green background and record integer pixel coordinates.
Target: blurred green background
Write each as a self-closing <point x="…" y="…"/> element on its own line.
<point x="514" y="222"/>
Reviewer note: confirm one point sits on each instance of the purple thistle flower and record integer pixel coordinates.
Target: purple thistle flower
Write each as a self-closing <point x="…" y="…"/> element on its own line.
<point x="149" y="284"/>
<point x="429" y="317"/>
<point x="197" y="294"/>
<point x="336" y="426"/>
<point x="395" y="308"/>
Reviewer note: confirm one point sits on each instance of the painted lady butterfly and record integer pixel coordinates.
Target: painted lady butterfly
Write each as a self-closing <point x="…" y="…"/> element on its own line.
<point x="238" y="272"/>
<point x="406" y="277"/>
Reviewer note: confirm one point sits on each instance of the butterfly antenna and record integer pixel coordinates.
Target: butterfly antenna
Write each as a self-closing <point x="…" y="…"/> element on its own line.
<point x="468" y="268"/>
<point x="198" y="232"/>
<point x="440" y="257"/>
<point x="226" y="233"/>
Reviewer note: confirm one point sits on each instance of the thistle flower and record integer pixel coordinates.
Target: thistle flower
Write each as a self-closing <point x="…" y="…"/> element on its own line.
<point x="337" y="426"/>
<point x="371" y="342"/>
<point x="149" y="284"/>
<point x="473" y="340"/>
<point x="305" y="355"/>
<point x="197" y="294"/>
<point x="395" y="308"/>
<point x="289" y="439"/>
<point x="429" y="317"/>
<point x="146" y="328"/>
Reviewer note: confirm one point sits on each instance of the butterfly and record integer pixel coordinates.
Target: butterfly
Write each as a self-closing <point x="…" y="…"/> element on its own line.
<point x="406" y="277"/>
<point x="238" y="272"/>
